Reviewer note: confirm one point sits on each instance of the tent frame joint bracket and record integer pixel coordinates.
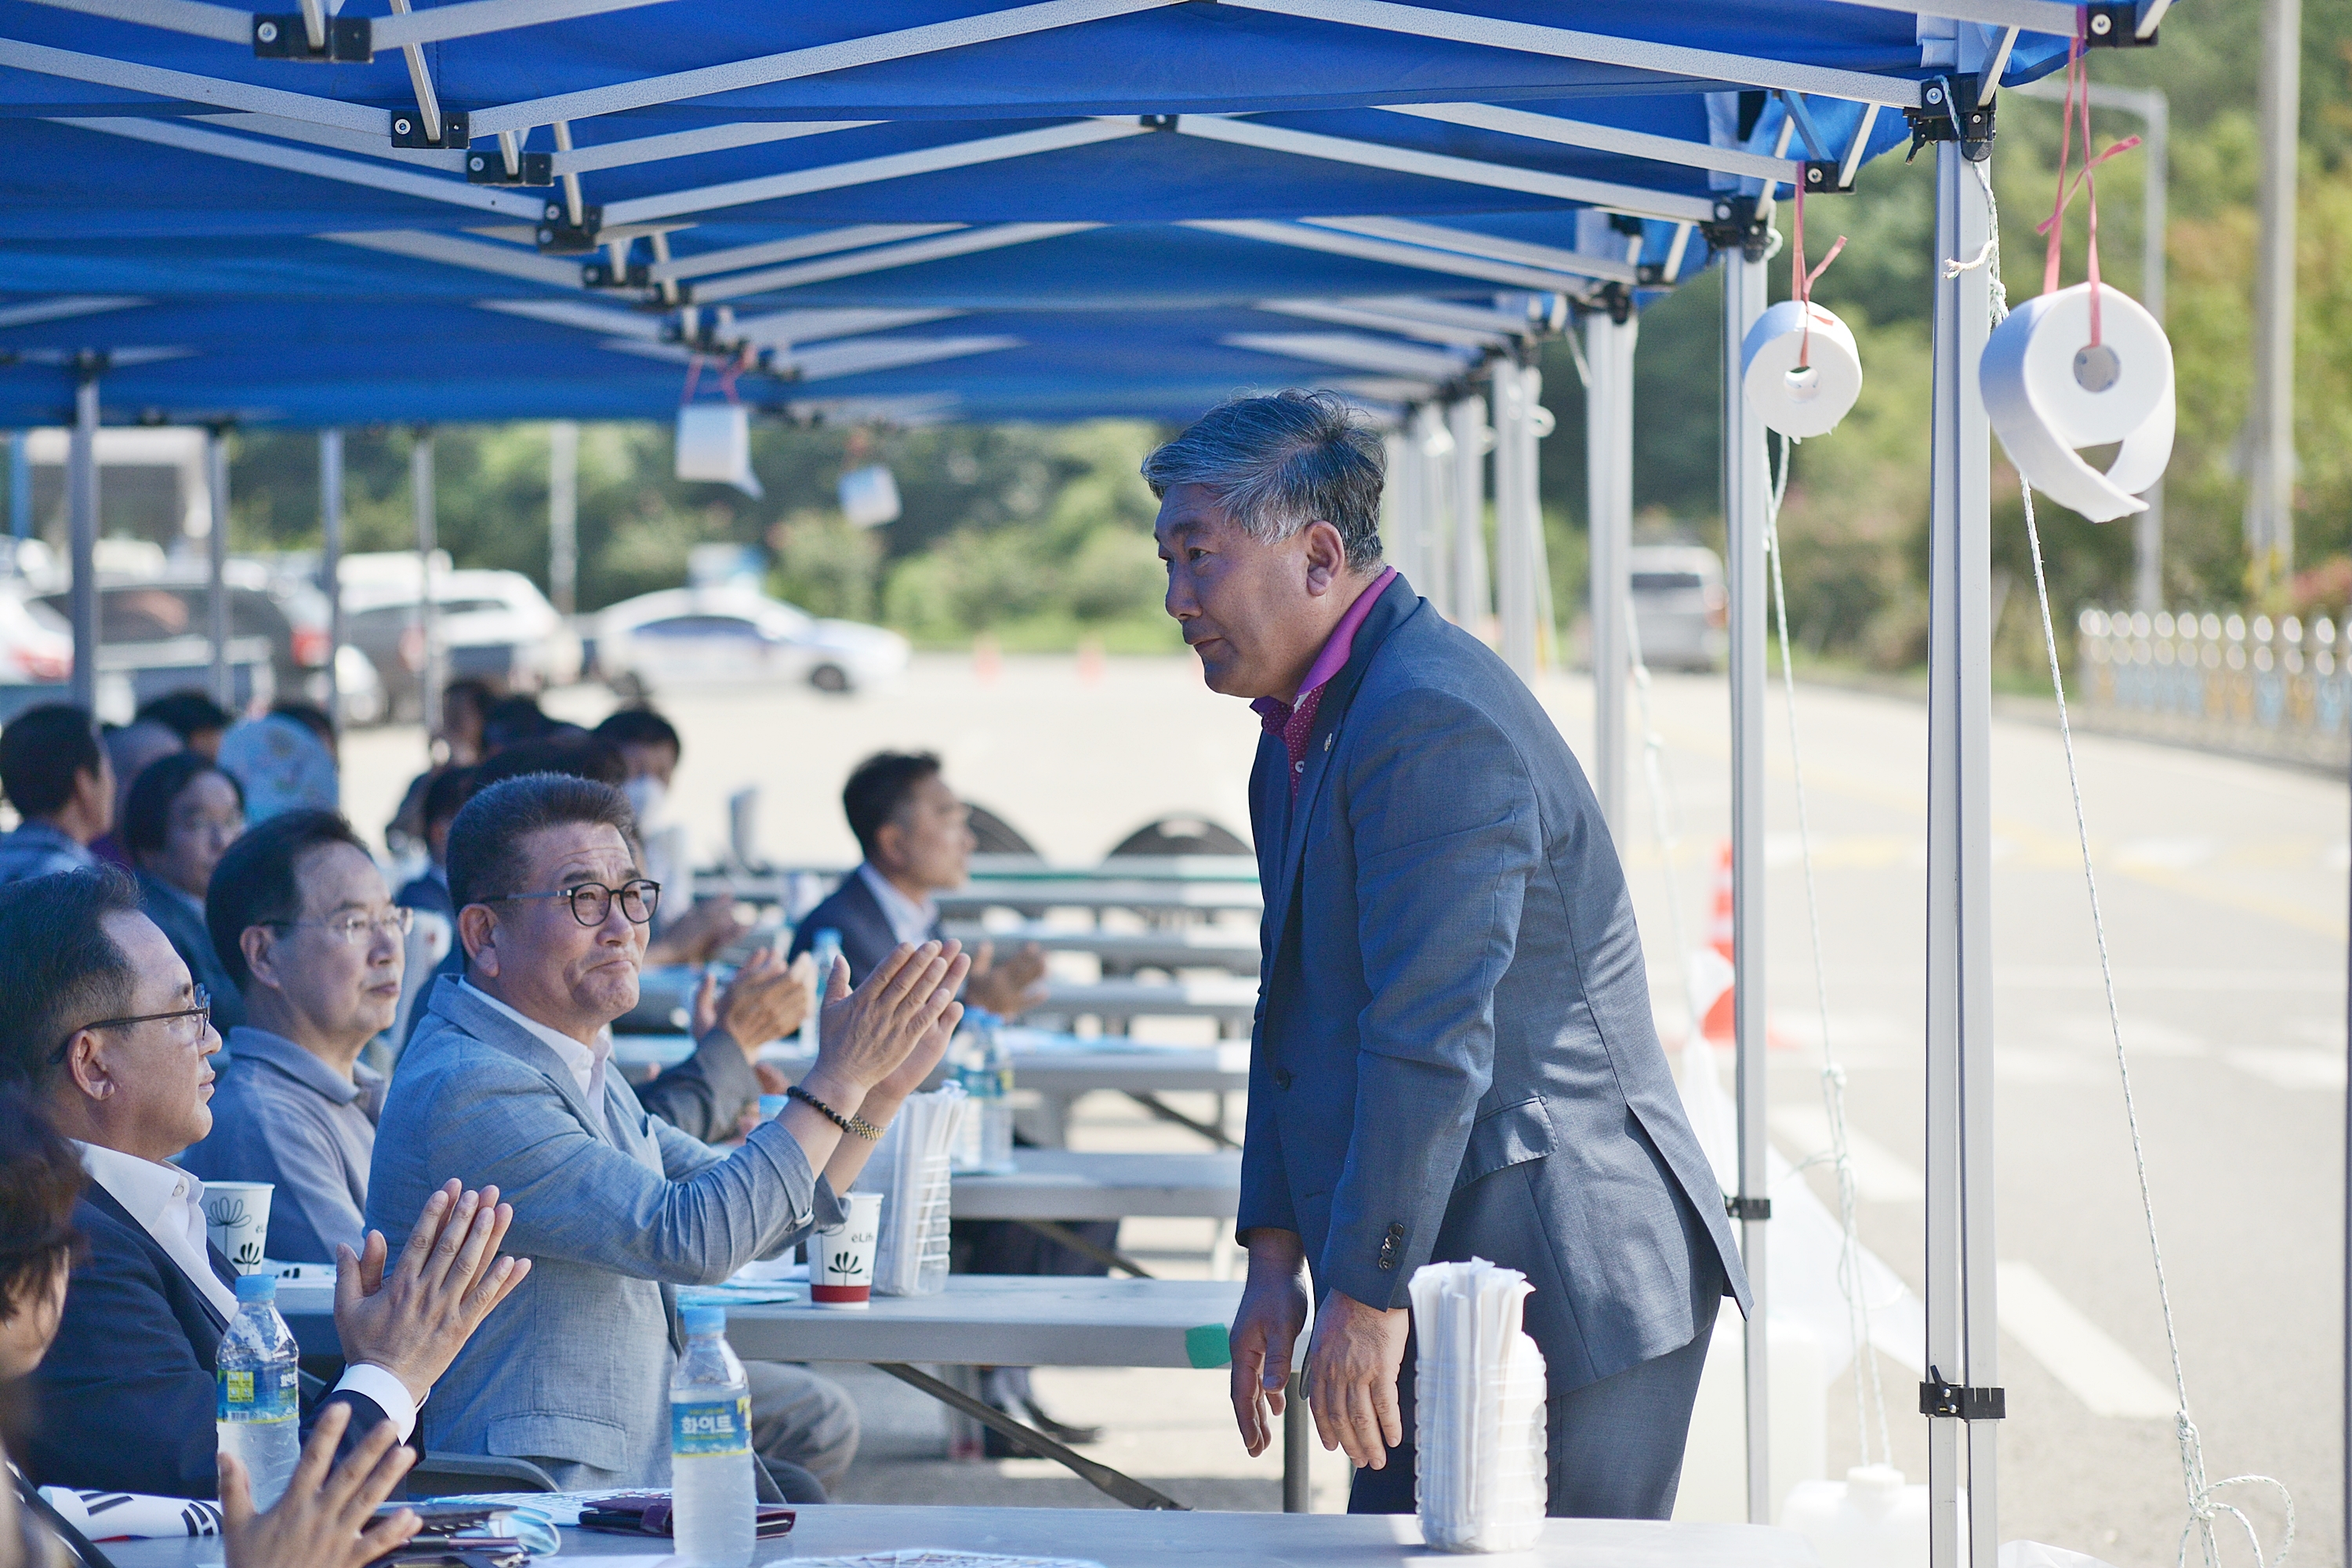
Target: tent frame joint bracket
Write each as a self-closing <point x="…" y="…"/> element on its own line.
<point x="487" y="168"/>
<point x="559" y="236"/>
<point x="1747" y="1208"/>
<point x="1932" y="121"/>
<point x="2117" y="27"/>
<point x="1737" y="226"/>
<point x="349" y="40"/>
<point x="408" y="130"/>
<point x="1825" y="177"/>
<point x="1958" y="1401"/>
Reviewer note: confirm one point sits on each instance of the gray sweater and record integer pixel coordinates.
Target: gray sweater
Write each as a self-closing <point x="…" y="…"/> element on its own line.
<point x="282" y="1115"/>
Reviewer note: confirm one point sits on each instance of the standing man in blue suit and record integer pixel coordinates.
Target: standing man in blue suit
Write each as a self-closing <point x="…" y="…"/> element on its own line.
<point x="1454" y="1054"/>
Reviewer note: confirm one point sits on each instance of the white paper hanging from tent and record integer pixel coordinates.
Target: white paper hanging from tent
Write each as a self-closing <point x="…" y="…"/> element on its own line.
<point x="869" y="496"/>
<point x="714" y="445"/>
<point x="1807" y="400"/>
<point x="2048" y="390"/>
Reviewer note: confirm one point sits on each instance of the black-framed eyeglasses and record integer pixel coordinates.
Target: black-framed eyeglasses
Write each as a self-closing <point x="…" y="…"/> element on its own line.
<point x="201" y="1012"/>
<point x="591" y="902"/>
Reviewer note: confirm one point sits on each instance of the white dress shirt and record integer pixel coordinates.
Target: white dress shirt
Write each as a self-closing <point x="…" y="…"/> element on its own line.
<point x="910" y="922"/>
<point x="585" y="1063"/>
<point x="169" y="1204"/>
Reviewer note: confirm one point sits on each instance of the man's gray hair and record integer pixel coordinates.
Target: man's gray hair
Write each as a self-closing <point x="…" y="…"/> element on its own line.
<point x="1277" y="464"/>
<point x="486" y="858"/>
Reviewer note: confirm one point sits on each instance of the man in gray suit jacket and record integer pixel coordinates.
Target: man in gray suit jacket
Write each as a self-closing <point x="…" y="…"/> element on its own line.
<point x="507" y="1073"/>
<point x="1454" y="1054"/>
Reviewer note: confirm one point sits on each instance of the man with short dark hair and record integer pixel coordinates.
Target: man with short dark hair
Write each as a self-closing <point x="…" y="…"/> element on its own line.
<point x="648" y="742"/>
<point x="196" y="719"/>
<point x="105" y="1027"/>
<point x="505" y="1078"/>
<point x="917" y="842"/>
<point x="304" y="929"/>
<point x="1455" y="1055"/>
<point x="57" y="777"/>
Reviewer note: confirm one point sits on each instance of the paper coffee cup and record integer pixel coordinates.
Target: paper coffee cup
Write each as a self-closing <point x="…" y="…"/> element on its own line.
<point x="841" y="1263"/>
<point x="237" y="1218"/>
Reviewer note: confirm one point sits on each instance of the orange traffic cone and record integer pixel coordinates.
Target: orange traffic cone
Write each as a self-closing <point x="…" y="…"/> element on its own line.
<point x="1713" y="966"/>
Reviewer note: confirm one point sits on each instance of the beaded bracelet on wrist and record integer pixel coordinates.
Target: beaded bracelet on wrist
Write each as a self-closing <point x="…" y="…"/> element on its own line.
<point x="856" y="1125"/>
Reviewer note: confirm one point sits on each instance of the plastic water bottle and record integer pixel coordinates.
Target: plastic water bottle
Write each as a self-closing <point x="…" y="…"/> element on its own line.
<point x="712" y="1496"/>
<point x="259" y="1373"/>
<point x="825" y="948"/>
<point x="984" y="1066"/>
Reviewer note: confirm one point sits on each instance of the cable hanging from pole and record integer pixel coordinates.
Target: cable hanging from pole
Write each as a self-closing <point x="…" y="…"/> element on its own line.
<point x="2204" y="1509"/>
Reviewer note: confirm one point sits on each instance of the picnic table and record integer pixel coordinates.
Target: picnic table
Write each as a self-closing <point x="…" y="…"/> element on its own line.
<point x="979" y="1319"/>
<point x="1233" y="950"/>
<point x="1166" y="1540"/>
<point x="1055" y="1186"/>
<point x="1231" y="1000"/>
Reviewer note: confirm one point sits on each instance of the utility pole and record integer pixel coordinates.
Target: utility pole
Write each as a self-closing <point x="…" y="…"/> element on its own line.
<point x="2270" y="420"/>
<point x="563" y="515"/>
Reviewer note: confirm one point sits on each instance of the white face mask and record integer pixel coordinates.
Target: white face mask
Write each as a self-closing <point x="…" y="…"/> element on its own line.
<point x="647" y="797"/>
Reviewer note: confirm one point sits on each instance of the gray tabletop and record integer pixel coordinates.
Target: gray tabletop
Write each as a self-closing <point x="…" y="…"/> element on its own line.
<point x="1079" y="1066"/>
<point x="1099" y="893"/>
<point x="1228" y="998"/>
<point x="1177" y="947"/>
<point x="982" y="1319"/>
<point x="1065" y="1184"/>
<point x="1121" y="1539"/>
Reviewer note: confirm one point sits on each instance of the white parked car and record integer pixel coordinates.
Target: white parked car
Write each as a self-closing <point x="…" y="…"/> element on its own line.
<point x="494" y="624"/>
<point x="732" y="634"/>
<point x="1680" y="608"/>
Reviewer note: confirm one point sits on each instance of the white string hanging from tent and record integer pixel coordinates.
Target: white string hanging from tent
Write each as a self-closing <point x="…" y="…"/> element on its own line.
<point x="1869" y="1393"/>
<point x="2204" y="1509"/>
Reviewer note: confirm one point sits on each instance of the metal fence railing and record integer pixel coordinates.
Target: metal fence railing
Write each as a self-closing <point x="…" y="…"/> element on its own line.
<point x="2222" y="680"/>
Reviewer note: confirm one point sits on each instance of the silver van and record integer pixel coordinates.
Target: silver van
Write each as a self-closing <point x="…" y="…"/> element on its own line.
<point x="1680" y="607"/>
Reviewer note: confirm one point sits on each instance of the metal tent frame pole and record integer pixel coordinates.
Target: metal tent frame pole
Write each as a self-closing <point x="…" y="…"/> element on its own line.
<point x="1438" y="493"/>
<point x="1609" y="509"/>
<point x="1466" y="420"/>
<point x="216" y="563"/>
<point x="1963" y="1339"/>
<point x="330" y="563"/>
<point x="428" y="615"/>
<point x="20" y="488"/>
<point x="1515" y="596"/>
<point x="81" y="503"/>
<point x="1745" y="501"/>
<point x="1401" y="526"/>
<point x="563" y="515"/>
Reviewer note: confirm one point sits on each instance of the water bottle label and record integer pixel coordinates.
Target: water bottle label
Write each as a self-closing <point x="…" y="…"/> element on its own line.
<point x="718" y="1427"/>
<point x="267" y="1394"/>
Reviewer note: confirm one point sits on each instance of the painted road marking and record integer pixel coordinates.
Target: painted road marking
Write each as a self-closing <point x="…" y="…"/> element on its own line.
<point x="1880" y="1175"/>
<point x="2290" y="1068"/>
<point x="2077" y="1352"/>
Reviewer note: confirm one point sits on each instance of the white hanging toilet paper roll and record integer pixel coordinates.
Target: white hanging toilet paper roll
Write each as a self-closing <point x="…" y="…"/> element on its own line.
<point x="1799" y="402"/>
<point x="2048" y="392"/>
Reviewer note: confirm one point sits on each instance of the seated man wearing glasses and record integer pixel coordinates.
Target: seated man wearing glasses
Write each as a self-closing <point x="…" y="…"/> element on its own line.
<point x="104" y="1027"/>
<point x="507" y="1080"/>
<point x="305" y="927"/>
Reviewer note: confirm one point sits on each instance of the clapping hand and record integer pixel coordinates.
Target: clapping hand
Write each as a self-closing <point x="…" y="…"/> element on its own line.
<point x="326" y="1519"/>
<point x="412" y="1320"/>
<point x="767" y="1000"/>
<point x="867" y="1036"/>
<point x="1011" y="988"/>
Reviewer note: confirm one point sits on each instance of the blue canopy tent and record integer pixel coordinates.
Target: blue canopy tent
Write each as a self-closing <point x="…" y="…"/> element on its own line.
<point x="1507" y="145"/>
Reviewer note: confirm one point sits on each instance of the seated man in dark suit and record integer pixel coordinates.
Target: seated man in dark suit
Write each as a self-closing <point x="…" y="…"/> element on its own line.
<point x="105" y="1028"/>
<point x="917" y="842"/>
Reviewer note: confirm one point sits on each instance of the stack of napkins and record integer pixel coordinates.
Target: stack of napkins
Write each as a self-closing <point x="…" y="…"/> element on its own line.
<point x="909" y="1169"/>
<point x="1479" y="1410"/>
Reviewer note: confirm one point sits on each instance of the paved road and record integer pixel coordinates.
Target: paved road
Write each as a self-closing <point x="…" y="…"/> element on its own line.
<point x="2223" y="885"/>
<point x="2225" y="888"/>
